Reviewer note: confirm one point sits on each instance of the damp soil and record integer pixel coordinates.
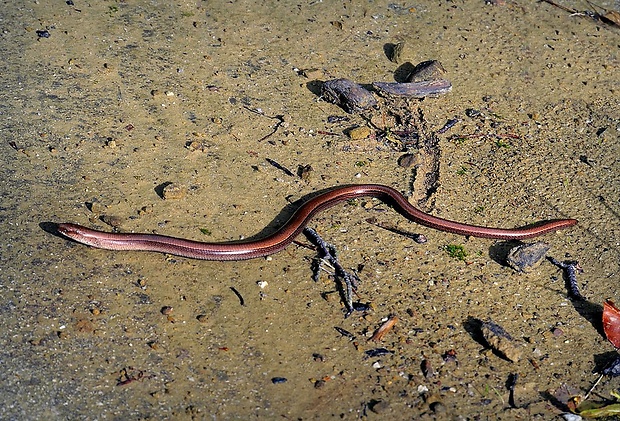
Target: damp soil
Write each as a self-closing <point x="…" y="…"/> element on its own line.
<point x="106" y="105"/>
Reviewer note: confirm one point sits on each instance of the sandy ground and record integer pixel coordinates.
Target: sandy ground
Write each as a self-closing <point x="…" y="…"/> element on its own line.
<point x="124" y="97"/>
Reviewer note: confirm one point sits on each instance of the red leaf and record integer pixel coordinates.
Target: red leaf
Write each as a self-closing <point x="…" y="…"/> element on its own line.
<point x="611" y="322"/>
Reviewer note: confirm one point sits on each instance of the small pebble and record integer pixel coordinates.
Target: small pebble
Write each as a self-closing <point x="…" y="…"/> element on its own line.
<point x="202" y="318"/>
<point x="319" y="384"/>
<point x="377" y="352"/>
<point x="96" y="207"/>
<point x="174" y="192"/>
<point x="396" y="52"/>
<point x="144" y="210"/>
<point x="353" y="98"/>
<point x="112" y="220"/>
<point x="278" y="380"/>
<point x="166" y="310"/>
<point x="437" y="407"/>
<point x="357" y="306"/>
<point x="526" y="257"/>
<point x="337" y="119"/>
<point x="419" y="238"/>
<point x="195" y="146"/>
<point x="472" y="113"/>
<point x="408" y="160"/>
<point x="379" y="406"/>
<point x="427" y="368"/>
<point x="359" y="133"/>
<point x="450" y="356"/>
<point x="427" y="70"/>
<point x="305" y="172"/>
<point x="500" y="341"/>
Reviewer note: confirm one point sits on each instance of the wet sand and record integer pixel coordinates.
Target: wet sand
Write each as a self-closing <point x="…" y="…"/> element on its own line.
<point x="124" y="98"/>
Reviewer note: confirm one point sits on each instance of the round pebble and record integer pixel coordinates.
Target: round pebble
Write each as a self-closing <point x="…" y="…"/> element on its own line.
<point x="359" y="133"/>
<point x="407" y="160"/>
<point x="174" y="192"/>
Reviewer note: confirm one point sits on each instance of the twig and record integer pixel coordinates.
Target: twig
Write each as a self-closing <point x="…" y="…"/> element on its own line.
<point x="570" y="268"/>
<point x="347" y="282"/>
<point x="278" y="117"/>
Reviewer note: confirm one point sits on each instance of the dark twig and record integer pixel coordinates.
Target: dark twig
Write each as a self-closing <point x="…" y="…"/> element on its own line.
<point x="347" y="282"/>
<point x="345" y="333"/>
<point x="449" y="124"/>
<point x="280" y="167"/>
<point x="570" y="268"/>
<point x="239" y="296"/>
<point x="610" y="17"/>
<point x="280" y="122"/>
<point x="559" y="6"/>
<point x="418" y="238"/>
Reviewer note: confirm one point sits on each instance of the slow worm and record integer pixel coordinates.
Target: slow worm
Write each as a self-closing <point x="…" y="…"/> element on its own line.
<point x="287" y="233"/>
